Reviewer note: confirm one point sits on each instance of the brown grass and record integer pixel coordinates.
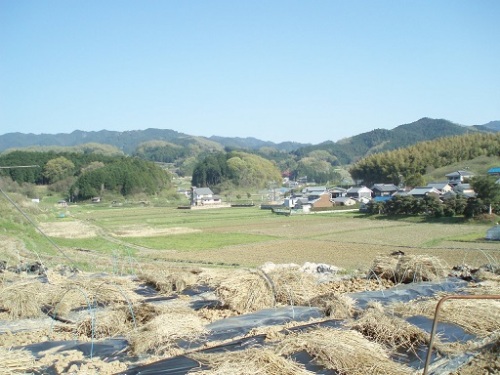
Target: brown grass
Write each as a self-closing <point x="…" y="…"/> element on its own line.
<point x="254" y="361"/>
<point x="344" y="351"/>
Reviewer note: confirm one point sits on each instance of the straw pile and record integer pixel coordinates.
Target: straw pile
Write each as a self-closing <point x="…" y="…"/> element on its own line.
<point x="344" y="351"/>
<point x="244" y="292"/>
<point x="22" y="299"/>
<point x="478" y="317"/>
<point x="334" y="305"/>
<point x="65" y="295"/>
<point x="160" y="335"/>
<point x="141" y="313"/>
<point x="105" y="324"/>
<point x="16" y="361"/>
<point x="168" y="281"/>
<point x="390" y="331"/>
<point x="409" y="268"/>
<point x="292" y="286"/>
<point x="254" y="361"/>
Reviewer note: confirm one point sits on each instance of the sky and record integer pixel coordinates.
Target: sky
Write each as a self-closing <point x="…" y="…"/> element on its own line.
<point x="303" y="71"/>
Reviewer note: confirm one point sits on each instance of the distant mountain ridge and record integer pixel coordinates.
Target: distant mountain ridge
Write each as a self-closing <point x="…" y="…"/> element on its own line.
<point x="346" y="150"/>
<point x="129" y="140"/>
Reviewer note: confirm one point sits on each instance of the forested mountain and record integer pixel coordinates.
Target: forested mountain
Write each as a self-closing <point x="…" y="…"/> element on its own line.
<point x="250" y="143"/>
<point x="493" y="125"/>
<point x="129" y="141"/>
<point x="349" y="150"/>
<point x="169" y="146"/>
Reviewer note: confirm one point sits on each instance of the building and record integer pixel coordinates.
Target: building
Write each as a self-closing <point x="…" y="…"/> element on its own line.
<point x="459" y="177"/>
<point x="384" y="190"/>
<point x="423" y="191"/>
<point x="443" y="187"/>
<point x="359" y="192"/>
<point x="204" y="196"/>
<point x="495" y="171"/>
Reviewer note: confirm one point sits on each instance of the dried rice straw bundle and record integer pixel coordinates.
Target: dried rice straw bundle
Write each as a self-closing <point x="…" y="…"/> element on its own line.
<point x="479" y="317"/>
<point x="335" y="306"/>
<point x="22" y="299"/>
<point x="254" y="361"/>
<point x="344" y="351"/>
<point x="292" y="286"/>
<point x="141" y="313"/>
<point x="409" y="268"/>
<point x="85" y="291"/>
<point x="16" y="361"/>
<point x="105" y="324"/>
<point x="245" y="291"/>
<point x="415" y="268"/>
<point x="168" y="281"/>
<point x="391" y="331"/>
<point x="161" y="334"/>
<point x="384" y="267"/>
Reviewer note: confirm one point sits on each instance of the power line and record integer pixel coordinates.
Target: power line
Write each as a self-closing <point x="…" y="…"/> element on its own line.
<point x="31" y="221"/>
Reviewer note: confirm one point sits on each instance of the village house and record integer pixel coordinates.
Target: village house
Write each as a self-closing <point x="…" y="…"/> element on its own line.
<point x="443" y="187"/>
<point x="423" y="191"/>
<point x="321" y="200"/>
<point x="459" y="177"/>
<point x="465" y="189"/>
<point x="359" y="193"/>
<point x="384" y="190"/>
<point x="314" y="190"/>
<point x="337" y="192"/>
<point x="204" y="196"/>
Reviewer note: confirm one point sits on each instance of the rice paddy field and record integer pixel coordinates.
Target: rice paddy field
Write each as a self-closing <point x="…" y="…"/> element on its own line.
<point x="249" y="237"/>
<point x="97" y="289"/>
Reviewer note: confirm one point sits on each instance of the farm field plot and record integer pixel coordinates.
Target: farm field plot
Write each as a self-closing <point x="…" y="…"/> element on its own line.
<point x="250" y="237"/>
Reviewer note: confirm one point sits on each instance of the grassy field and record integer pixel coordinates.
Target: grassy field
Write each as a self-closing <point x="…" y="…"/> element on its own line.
<point x="101" y="237"/>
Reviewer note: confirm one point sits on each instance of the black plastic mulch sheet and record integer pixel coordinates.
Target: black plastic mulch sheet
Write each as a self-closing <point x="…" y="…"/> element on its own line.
<point x="407" y="292"/>
<point x="111" y="349"/>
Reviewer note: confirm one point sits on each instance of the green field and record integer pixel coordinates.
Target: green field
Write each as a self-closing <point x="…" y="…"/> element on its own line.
<point x="101" y="237"/>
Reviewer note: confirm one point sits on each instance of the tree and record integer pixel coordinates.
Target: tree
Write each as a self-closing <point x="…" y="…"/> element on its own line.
<point x="474" y="207"/>
<point x="487" y="190"/>
<point x="57" y="169"/>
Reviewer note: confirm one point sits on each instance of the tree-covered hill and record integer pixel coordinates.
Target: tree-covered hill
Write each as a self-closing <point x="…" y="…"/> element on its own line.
<point x="410" y="164"/>
<point x="351" y="149"/>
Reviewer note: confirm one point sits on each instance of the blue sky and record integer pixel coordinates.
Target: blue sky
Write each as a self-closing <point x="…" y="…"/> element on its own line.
<point x="305" y="71"/>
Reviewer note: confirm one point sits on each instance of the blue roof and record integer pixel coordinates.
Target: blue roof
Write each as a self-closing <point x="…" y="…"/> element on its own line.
<point x="382" y="199"/>
<point x="494" y="170"/>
